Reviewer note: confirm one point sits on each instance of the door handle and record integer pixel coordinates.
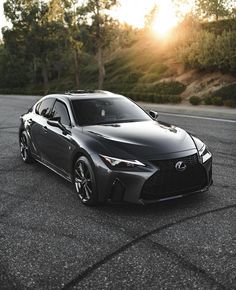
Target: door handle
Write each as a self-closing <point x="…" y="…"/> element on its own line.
<point x="45" y="129"/>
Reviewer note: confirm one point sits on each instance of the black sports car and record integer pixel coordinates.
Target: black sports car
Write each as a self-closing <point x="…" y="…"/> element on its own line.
<point x="111" y="149"/>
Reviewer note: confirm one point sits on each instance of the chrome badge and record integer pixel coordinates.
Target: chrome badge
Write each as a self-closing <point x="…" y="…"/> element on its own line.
<point x="180" y="166"/>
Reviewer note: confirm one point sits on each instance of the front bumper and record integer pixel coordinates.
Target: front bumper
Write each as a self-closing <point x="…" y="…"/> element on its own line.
<point x="129" y="186"/>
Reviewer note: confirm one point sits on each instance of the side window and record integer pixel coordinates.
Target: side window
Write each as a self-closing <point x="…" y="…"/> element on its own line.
<point x="45" y="108"/>
<point x="60" y="110"/>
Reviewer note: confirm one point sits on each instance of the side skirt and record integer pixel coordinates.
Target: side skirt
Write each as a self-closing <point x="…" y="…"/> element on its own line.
<point x="54" y="170"/>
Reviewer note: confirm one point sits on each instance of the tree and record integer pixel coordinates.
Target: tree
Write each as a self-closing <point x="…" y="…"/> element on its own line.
<point x="101" y="27"/>
<point x="38" y="33"/>
<point x="74" y="35"/>
<point x="151" y="17"/>
<point x="215" y="8"/>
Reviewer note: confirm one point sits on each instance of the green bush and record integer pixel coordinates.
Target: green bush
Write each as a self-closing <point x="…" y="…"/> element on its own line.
<point x="152" y="97"/>
<point x="205" y="50"/>
<point x="194" y="100"/>
<point x="168" y="88"/>
<point x="226" y="93"/>
<point x="208" y="101"/>
<point x="230" y="103"/>
<point x="174" y="99"/>
<point x="217" y="101"/>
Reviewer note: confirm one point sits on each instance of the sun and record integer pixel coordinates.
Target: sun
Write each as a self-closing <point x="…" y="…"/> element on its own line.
<point x="165" y="19"/>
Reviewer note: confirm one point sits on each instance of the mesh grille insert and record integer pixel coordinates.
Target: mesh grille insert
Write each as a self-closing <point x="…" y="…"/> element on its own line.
<point x="168" y="181"/>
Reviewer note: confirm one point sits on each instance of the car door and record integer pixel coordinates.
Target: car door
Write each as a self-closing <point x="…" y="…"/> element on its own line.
<point x="59" y="147"/>
<point x="38" y="127"/>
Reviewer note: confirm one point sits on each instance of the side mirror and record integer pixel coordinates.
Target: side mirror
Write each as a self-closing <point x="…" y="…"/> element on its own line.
<point x="153" y="114"/>
<point x="56" y="122"/>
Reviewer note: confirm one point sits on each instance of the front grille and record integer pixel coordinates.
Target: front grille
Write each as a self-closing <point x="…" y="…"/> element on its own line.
<point x="168" y="181"/>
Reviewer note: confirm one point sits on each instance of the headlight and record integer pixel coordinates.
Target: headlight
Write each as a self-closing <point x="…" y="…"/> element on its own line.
<point x="202" y="149"/>
<point x="120" y="163"/>
<point x="204" y="153"/>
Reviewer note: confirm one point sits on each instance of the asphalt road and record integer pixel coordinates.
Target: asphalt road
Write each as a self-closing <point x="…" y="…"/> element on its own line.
<point x="48" y="240"/>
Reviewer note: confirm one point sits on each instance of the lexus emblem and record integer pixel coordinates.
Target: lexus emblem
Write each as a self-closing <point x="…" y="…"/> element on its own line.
<point x="180" y="166"/>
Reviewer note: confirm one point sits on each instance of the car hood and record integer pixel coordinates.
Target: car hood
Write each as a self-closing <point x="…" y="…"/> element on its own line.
<point x="147" y="139"/>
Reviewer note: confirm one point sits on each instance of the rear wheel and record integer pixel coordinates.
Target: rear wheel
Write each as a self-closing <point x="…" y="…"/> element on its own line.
<point x="24" y="149"/>
<point x="84" y="181"/>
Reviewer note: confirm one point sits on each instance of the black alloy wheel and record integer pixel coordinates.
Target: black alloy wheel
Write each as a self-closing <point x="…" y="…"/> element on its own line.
<point x="24" y="149"/>
<point x="84" y="181"/>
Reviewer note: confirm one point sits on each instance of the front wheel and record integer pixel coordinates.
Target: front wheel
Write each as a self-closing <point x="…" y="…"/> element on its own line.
<point x="84" y="181"/>
<point x="24" y="149"/>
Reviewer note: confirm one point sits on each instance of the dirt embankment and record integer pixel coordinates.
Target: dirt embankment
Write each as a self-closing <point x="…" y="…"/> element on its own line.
<point x="198" y="83"/>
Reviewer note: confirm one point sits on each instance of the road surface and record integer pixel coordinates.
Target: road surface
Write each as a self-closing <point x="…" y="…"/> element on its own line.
<point x="48" y="240"/>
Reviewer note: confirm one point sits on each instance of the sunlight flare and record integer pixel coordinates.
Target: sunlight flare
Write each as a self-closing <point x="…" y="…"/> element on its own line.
<point x="166" y="18"/>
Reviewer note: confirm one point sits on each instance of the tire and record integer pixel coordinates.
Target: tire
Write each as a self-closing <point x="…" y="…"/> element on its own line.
<point x="24" y="149"/>
<point x="84" y="181"/>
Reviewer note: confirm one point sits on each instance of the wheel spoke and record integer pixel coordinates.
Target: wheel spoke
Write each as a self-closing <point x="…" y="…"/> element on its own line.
<point x="86" y="173"/>
<point x="81" y="169"/>
<point x="87" y="193"/>
<point x="83" y="181"/>
<point x="78" y="186"/>
<point x="78" y="180"/>
<point x="78" y="173"/>
<point x="23" y="148"/>
<point x="88" y="189"/>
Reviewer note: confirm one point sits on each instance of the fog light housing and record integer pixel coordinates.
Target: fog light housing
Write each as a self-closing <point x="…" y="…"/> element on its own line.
<point x="117" y="191"/>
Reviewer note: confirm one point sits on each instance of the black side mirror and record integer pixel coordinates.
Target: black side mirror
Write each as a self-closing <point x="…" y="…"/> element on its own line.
<point x="153" y="114"/>
<point x="56" y="122"/>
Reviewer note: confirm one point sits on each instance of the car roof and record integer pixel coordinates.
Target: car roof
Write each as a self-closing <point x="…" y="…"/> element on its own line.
<point x="88" y="94"/>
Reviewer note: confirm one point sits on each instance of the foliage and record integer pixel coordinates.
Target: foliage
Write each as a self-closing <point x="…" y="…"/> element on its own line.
<point x="152" y="97"/>
<point x="217" y="101"/>
<point x="208" y="100"/>
<point x="224" y="96"/>
<point x="218" y="27"/>
<point x="215" y="8"/>
<point x="227" y="92"/>
<point x="205" y="50"/>
<point x="150" y="17"/>
<point x="59" y="45"/>
<point x="94" y="14"/>
<point x="37" y="37"/>
<point x="169" y="88"/>
<point x="195" y="100"/>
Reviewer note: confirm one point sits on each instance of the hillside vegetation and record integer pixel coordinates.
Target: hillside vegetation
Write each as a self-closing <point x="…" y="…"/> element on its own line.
<point x="49" y="50"/>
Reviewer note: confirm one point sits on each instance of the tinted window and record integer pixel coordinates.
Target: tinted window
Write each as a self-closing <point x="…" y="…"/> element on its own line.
<point x="60" y="110"/>
<point x="45" y="108"/>
<point x="107" y="110"/>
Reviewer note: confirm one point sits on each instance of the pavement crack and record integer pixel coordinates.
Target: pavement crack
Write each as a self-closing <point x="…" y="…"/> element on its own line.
<point x="187" y="264"/>
<point x="89" y="270"/>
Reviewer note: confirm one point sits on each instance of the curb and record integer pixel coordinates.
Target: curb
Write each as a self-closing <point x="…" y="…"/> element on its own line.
<point x="200" y="111"/>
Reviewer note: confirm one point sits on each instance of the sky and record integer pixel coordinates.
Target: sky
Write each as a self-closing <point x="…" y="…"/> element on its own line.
<point x="130" y="11"/>
<point x="2" y="18"/>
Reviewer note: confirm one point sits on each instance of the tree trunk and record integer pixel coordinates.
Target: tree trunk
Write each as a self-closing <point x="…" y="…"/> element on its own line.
<point x="34" y="69"/>
<point x="101" y="67"/>
<point x="45" y="77"/>
<point x="76" y="58"/>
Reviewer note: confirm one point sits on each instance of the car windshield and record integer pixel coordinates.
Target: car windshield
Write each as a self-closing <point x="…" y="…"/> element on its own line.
<point x="107" y="111"/>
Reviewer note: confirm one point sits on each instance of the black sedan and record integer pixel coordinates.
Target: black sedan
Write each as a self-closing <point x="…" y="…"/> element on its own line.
<point x="112" y="150"/>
